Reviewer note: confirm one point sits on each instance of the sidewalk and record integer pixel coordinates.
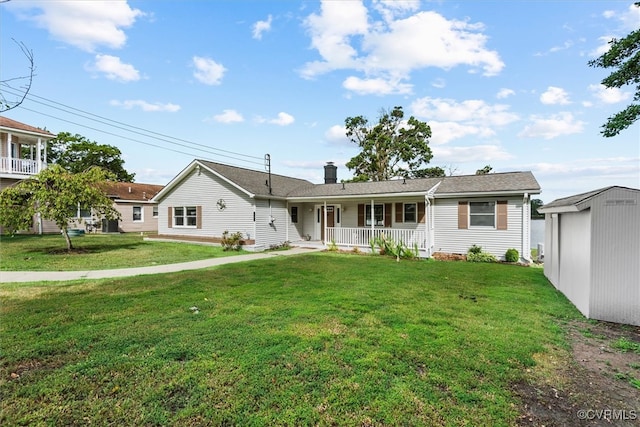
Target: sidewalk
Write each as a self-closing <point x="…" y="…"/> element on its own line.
<point x="41" y="276"/>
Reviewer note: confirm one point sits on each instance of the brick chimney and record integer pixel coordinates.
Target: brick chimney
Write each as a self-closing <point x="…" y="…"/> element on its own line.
<point x="330" y="173"/>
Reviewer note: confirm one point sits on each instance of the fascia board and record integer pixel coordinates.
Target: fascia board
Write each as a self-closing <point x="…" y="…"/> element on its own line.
<point x="484" y="194"/>
<point x="19" y="132"/>
<point x="559" y="209"/>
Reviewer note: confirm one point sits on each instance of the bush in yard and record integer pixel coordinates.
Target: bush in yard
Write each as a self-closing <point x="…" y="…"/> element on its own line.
<point x="512" y="255"/>
<point x="231" y="242"/>
<point x="475" y="254"/>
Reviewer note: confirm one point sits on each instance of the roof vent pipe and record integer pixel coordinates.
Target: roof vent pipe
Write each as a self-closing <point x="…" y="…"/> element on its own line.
<point x="330" y="173"/>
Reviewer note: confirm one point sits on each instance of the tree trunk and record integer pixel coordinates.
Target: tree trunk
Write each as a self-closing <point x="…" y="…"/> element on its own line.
<point x="67" y="239"/>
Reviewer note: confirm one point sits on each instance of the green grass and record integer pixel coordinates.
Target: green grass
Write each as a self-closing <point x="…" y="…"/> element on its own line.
<point x="319" y="339"/>
<point x="96" y="252"/>
<point x="624" y="345"/>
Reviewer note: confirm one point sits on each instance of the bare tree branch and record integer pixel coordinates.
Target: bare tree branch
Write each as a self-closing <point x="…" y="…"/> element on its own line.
<point x="23" y="85"/>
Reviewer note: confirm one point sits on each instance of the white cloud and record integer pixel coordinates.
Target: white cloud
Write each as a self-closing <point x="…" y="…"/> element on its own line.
<point x="145" y="106"/>
<point x="445" y="132"/>
<point x="283" y="119"/>
<point x="208" y="71"/>
<point x="505" y="93"/>
<point x="608" y="95"/>
<point x="484" y="153"/>
<point x="629" y="19"/>
<point x="347" y="37"/>
<point x="555" y="96"/>
<point x="375" y="86"/>
<point x="603" y="47"/>
<point x="337" y="134"/>
<point x="114" y="68"/>
<point x="229" y="116"/>
<point x="473" y="111"/>
<point x="83" y="24"/>
<point x="552" y="127"/>
<point x="261" y="27"/>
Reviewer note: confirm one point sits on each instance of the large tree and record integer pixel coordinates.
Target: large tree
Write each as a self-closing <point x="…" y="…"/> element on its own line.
<point x="433" y="172"/>
<point x="56" y="194"/>
<point x="391" y="148"/>
<point x="75" y="153"/>
<point x="624" y="56"/>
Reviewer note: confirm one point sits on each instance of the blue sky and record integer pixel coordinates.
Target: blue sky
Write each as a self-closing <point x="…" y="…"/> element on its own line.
<point x="501" y="83"/>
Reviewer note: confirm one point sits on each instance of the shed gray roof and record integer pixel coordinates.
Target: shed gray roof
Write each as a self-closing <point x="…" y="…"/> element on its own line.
<point x="578" y="198"/>
<point x="294" y="188"/>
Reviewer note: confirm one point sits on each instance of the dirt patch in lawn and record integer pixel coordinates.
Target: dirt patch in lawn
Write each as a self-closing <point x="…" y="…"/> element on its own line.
<point x="596" y="382"/>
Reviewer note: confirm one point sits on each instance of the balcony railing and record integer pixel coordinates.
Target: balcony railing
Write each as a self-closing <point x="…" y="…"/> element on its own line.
<point x="346" y="236"/>
<point x="19" y="166"/>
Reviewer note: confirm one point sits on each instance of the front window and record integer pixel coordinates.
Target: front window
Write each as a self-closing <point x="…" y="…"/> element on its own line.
<point x="410" y="210"/>
<point x="137" y="213"/>
<point x="378" y="215"/>
<point x="184" y="216"/>
<point x="155" y="212"/>
<point x="294" y="214"/>
<point x="80" y="212"/>
<point x="482" y="214"/>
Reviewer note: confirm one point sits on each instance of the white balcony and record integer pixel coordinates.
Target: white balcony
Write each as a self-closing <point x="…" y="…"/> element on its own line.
<point x="20" y="166"/>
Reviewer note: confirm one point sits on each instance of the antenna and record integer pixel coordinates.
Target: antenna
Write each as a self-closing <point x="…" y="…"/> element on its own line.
<point x="267" y="166"/>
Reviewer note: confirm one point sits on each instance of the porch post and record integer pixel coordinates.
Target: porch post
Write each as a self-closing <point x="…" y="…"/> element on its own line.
<point x="286" y="232"/>
<point x="39" y="150"/>
<point x="325" y="222"/>
<point x="373" y="216"/>
<point x="9" y="158"/>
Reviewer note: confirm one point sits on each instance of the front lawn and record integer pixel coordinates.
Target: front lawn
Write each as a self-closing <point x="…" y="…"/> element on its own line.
<point x="96" y="252"/>
<point x="318" y="339"/>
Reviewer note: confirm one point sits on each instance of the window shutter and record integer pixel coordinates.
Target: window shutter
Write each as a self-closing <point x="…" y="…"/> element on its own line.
<point x="198" y="217"/>
<point x="421" y="213"/>
<point x="360" y="215"/>
<point x="463" y="215"/>
<point x="170" y="216"/>
<point x="387" y="214"/>
<point x="399" y="212"/>
<point x="501" y="215"/>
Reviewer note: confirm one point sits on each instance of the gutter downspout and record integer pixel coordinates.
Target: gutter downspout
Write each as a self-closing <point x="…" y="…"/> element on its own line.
<point x="526" y="228"/>
<point x="427" y="209"/>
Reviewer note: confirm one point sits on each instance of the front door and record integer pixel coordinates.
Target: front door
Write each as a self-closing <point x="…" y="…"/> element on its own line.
<point x="331" y="222"/>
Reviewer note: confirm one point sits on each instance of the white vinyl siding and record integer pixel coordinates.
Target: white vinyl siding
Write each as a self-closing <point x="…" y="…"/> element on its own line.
<point x="205" y="189"/>
<point x="449" y="238"/>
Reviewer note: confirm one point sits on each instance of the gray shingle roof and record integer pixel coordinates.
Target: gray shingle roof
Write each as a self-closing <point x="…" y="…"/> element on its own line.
<point x="283" y="186"/>
<point x="255" y="181"/>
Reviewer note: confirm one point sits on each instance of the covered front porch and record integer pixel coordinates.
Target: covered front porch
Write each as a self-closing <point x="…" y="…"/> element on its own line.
<point x="22" y="154"/>
<point x="350" y="224"/>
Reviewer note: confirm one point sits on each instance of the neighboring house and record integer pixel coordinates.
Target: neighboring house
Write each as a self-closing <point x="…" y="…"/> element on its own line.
<point x="133" y="200"/>
<point x="592" y="252"/>
<point x="448" y="214"/>
<point x="23" y="153"/>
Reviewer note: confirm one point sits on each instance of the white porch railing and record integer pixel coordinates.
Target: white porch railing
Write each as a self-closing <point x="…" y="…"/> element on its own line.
<point x="19" y="166"/>
<point x="346" y="236"/>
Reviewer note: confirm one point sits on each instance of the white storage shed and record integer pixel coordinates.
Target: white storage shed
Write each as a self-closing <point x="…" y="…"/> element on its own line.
<point x="592" y="252"/>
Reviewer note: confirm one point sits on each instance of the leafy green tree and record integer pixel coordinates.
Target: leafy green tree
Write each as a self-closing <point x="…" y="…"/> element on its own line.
<point x="75" y="153"/>
<point x="56" y="195"/>
<point x="484" y="171"/>
<point x="535" y="204"/>
<point x="434" y="172"/>
<point x="393" y="147"/>
<point x="624" y="56"/>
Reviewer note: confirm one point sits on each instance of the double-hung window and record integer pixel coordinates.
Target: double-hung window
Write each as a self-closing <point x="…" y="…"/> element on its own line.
<point x="378" y="215"/>
<point x="482" y="214"/>
<point x="137" y="214"/>
<point x="294" y="214"/>
<point x="410" y="212"/>
<point x="185" y="216"/>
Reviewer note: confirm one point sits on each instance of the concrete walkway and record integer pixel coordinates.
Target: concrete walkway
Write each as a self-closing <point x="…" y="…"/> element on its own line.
<point x="40" y="276"/>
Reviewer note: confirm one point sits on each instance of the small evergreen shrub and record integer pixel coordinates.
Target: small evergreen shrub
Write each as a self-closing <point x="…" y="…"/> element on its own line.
<point x="512" y="255"/>
<point x="475" y="254"/>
